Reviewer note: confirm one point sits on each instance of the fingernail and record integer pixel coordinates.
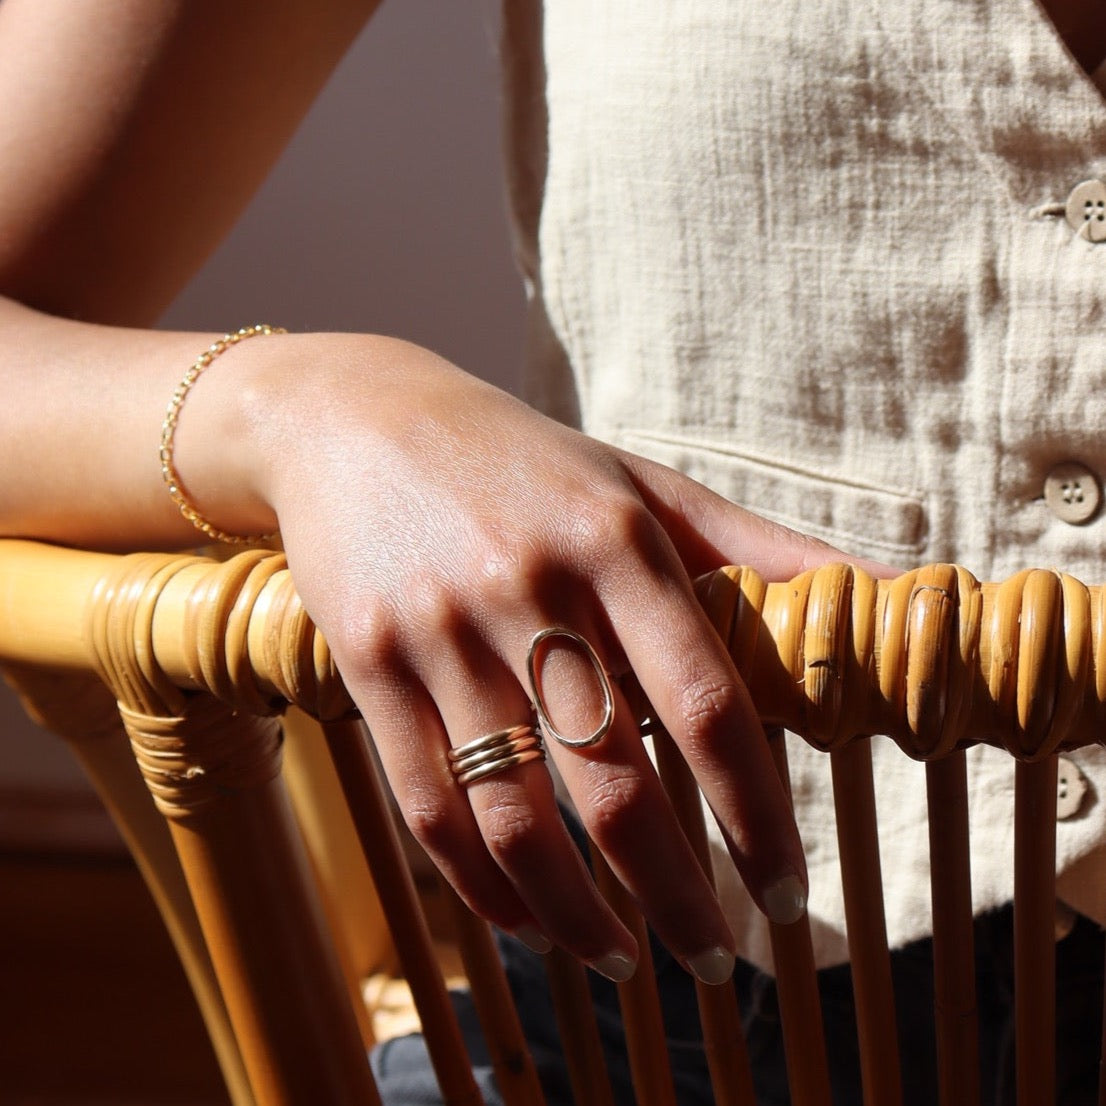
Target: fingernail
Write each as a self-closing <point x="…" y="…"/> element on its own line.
<point x="614" y="966"/>
<point x="534" y="939"/>
<point x="715" y="966"/>
<point x="785" y="900"/>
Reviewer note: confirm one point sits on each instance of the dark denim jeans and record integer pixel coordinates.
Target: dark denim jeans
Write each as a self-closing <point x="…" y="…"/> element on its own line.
<point x="405" y="1078"/>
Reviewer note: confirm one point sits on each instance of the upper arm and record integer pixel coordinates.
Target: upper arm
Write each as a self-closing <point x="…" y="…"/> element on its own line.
<point x="134" y="131"/>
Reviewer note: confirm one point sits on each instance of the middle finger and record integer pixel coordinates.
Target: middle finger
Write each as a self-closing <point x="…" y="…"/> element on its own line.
<point x="622" y="802"/>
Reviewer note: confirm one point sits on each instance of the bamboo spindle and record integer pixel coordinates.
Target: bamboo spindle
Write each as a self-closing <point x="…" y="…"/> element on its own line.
<point x="349" y="896"/>
<point x="957" y="1019"/>
<point x="642" y="1017"/>
<point x="495" y="1008"/>
<point x="1035" y="930"/>
<point x="380" y="841"/>
<point x="869" y="958"/>
<point x="723" y="1037"/>
<point x="800" y="1002"/>
<point x="579" y="1033"/>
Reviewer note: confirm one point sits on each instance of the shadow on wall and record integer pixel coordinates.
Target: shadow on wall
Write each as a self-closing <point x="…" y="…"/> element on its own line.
<point x="386" y="215"/>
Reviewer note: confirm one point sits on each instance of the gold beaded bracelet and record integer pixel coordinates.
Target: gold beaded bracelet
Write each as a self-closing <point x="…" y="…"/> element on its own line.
<point x="169" y="425"/>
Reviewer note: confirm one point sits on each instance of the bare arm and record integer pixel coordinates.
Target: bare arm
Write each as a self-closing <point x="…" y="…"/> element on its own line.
<point x="133" y="134"/>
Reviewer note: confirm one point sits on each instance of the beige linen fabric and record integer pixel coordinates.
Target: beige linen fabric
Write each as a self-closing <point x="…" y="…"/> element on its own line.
<point x="808" y="253"/>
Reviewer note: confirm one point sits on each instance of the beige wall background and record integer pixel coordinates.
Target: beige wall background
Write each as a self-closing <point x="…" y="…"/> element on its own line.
<point x="385" y="215"/>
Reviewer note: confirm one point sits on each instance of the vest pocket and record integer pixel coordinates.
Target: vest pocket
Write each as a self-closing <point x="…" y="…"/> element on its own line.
<point x="860" y="518"/>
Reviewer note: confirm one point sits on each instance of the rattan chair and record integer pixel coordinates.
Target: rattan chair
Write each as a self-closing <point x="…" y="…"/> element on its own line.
<point x="202" y="659"/>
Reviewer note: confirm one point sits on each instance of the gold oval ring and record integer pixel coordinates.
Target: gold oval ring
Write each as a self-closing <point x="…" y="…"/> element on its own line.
<point x="546" y="726"/>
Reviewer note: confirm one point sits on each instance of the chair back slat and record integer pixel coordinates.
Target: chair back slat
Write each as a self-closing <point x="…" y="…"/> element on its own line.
<point x="578" y="1031"/>
<point x="638" y="1000"/>
<point x="514" y="1068"/>
<point x="356" y="922"/>
<point x="955" y="1009"/>
<point x="800" y="1003"/>
<point x="719" y="1015"/>
<point x="858" y="845"/>
<point x="396" y="887"/>
<point x="332" y="844"/>
<point x="800" y="1015"/>
<point x="731" y="1076"/>
<point x="1035" y="930"/>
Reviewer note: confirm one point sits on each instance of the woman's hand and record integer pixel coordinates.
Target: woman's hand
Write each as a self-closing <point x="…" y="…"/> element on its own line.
<point x="433" y="526"/>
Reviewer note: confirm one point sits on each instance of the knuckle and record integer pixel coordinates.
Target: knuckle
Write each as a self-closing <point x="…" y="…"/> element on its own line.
<point x="635" y="525"/>
<point x="603" y="529"/>
<point x="433" y="826"/>
<point x="707" y="708"/>
<point x="513" y="836"/>
<point x="512" y="575"/>
<point x="366" y="640"/>
<point x="618" y="812"/>
<point x="434" y="612"/>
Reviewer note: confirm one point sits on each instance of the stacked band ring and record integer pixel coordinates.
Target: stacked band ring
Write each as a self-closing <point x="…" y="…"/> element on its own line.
<point x="495" y="752"/>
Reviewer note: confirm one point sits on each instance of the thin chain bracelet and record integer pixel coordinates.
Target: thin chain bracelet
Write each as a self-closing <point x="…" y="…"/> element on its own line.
<point x="169" y="425"/>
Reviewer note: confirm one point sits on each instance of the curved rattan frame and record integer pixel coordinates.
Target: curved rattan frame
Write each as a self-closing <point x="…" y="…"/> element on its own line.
<point x="203" y="657"/>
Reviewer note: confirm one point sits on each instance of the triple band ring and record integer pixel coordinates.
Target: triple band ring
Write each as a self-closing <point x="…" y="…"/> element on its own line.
<point x="495" y="752"/>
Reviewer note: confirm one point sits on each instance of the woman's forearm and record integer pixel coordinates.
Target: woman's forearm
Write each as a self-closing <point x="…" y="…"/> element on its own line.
<point x="80" y="410"/>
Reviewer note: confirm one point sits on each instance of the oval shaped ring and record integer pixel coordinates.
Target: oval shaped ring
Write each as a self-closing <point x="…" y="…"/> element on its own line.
<point x="546" y="726"/>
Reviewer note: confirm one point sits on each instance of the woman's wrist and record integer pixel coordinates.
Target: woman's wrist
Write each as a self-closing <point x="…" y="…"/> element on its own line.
<point x="218" y="460"/>
<point x="174" y="485"/>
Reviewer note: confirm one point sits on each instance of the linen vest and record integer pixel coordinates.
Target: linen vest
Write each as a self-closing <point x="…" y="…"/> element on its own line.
<point x="814" y="255"/>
